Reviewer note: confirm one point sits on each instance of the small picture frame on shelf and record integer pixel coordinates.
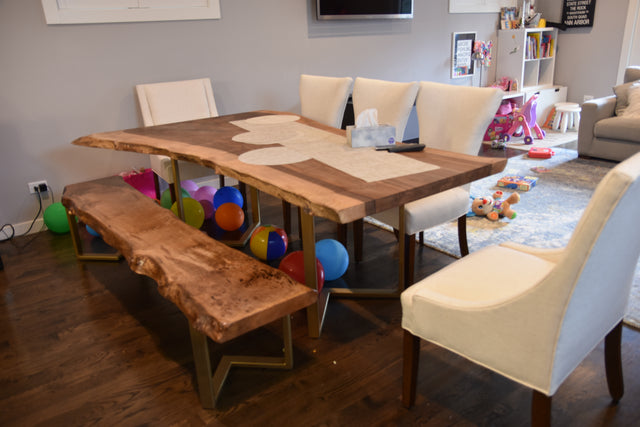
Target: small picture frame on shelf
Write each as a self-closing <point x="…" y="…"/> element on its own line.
<point x="462" y="64"/>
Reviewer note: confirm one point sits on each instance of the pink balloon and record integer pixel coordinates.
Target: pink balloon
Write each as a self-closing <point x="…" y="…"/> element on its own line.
<point x="208" y="208"/>
<point x="189" y="185"/>
<point x="206" y="192"/>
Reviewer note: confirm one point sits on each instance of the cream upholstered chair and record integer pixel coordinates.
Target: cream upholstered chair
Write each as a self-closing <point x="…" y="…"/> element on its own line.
<point x="324" y="100"/>
<point x="452" y="118"/>
<point x="171" y="102"/>
<point x="553" y="308"/>
<point x="393" y="100"/>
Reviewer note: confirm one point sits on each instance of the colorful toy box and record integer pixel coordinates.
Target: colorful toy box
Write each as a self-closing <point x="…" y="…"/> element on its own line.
<point x="518" y="182"/>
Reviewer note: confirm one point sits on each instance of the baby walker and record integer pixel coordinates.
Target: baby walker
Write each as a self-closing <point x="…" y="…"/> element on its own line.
<point x="524" y="119"/>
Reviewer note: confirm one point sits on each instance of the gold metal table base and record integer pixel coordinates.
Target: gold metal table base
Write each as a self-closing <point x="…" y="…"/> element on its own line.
<point x="210" y="383"/>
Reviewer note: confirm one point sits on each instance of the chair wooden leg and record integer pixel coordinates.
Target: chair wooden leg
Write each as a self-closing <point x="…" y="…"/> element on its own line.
<point x="613" y="362"/>
<point x="410" y="362"/>
<point x="286" y="217"/>
<point x="421" y="238"/>
<point x="409" y="258"/>
<point x="341" y="233"/>
<point x="540" y="410"/>
<point x="220" y="181"/>
<point x="462" y="235"/>
<point x="358" y="235"/>
<point x="156" y="185"/>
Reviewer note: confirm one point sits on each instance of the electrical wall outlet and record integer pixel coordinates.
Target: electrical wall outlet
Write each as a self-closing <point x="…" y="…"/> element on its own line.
<point x="587" y="98"/>
<point x="40" y="185"/>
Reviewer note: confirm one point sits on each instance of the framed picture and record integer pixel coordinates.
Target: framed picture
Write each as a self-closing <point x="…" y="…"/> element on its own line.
<point x="462" y="64"/>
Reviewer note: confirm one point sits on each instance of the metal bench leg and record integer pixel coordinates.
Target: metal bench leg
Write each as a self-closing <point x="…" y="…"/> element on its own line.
<point x="77" y="243"/>
<point x="209" y="386"/>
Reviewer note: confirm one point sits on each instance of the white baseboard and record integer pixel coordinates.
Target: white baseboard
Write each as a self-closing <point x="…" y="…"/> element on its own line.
<point x="22" y="227"/>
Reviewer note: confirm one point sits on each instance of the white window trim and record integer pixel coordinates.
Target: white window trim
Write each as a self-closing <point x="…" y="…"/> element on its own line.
<point x="54" y="14"/>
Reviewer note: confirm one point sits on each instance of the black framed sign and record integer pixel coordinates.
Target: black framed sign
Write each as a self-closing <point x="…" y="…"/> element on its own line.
<point x="578" y="13"/>
<point x="461" y="50"/>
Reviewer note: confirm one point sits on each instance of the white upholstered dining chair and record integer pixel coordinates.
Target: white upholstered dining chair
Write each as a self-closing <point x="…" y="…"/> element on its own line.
<point x="452" y="118"/>
<point x="554" y="306"/>
<point x="171" y="102"/>
<point x="324" y="100"/>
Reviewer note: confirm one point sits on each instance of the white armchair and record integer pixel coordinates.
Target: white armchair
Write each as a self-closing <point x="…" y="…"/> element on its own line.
<point x="171" y="102"/>
<point x="452" y="118"/>
<point x="557" y="305"/>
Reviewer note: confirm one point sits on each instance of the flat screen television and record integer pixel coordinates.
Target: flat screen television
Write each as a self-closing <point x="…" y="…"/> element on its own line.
<point x="365" y="9"/>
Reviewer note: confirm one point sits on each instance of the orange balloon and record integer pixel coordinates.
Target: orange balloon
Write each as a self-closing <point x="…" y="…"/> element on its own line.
<point x="229" y="216"/>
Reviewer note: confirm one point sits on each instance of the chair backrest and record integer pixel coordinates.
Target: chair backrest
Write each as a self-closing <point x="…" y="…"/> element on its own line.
<point x="393" y="100"/>
<point x="324" y="99"/>
<point x="455" y="118"/>
<point x="593" y="279"/>
<point x="632" y="73"/>
<point x="177" y="101"/>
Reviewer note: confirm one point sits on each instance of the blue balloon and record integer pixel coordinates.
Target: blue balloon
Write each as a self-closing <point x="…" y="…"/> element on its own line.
<point x="92" y="231"/>
<point x="334" y="258"/>
<point x="227" y="195"/>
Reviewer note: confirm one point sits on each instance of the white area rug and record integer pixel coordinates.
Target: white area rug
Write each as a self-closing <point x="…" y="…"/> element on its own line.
<point x="546" y="215"/>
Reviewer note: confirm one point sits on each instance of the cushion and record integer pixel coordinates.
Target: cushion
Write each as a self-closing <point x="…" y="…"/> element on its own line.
<point x="633" y="110"/>
<point x="622" y="96"/>
<point x="619" y="128"/>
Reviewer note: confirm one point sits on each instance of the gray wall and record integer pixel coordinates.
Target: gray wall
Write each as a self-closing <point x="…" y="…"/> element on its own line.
<point x="61" y="82"/>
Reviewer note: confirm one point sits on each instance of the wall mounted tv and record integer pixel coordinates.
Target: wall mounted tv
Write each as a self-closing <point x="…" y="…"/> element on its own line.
<point x="365" y="9"/>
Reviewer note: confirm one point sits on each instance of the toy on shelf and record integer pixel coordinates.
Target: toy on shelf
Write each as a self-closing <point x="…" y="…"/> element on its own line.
<point x="524" y="119"/>
<point x="518" y="182"/>
<point x="494" y="208"/>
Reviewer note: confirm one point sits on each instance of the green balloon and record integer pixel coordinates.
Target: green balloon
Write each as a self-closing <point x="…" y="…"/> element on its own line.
<point x="55" y="218"/>
<point x="165" y="199"/>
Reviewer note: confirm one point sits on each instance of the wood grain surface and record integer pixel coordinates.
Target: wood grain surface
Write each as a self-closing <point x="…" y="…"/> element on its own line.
<point x="320" y="189"/>
<point x="222" y="291"/>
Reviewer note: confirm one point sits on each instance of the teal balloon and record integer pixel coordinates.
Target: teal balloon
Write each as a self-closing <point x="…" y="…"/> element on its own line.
<point x="55" y="218"/>
<point x="165" y="199"/>
<point x="334" y="258"/>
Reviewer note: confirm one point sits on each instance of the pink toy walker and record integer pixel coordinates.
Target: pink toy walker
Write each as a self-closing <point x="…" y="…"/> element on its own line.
<point x="524" y="119"/>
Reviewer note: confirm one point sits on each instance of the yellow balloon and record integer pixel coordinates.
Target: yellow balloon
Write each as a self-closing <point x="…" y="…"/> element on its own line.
<point x="193" y="211"/>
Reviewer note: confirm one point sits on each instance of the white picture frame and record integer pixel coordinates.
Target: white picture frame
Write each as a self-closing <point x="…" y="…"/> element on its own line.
<point x="105" y="11"/>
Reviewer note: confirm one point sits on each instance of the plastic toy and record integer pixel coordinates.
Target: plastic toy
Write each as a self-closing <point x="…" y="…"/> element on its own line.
<point x="229" y="216"/>
<point x="541" y="152"/>
<point x="518" y="182"/>
<point x="524" y="119"/>
<point x="334" y="258"/>
<point x="494" y="208"/>
<point x="293" y="265"/>
<point x="193" y="211"/>
<point x="269" y="242"/>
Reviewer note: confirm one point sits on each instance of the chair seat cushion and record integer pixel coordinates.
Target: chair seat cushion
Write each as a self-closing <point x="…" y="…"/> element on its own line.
<point x="618" y="127"/>
<point x="429" y="211"/>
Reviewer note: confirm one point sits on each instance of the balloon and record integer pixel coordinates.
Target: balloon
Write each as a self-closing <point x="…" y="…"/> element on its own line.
<point x="165" y="199"/>
<point x="189" y="185"/>
<point x="91" y="231"/>
<point x="193" y="211"/>
<point x="293" y="265"/>
<point x="269" y="242"/>
<point x="206" y="192"/>
<point x="227" y="195"/>
<point x="208" y="208"/>
<point x="334" y="258"/>
<point x="55" y="218"/>
<point x="229" y="216"/>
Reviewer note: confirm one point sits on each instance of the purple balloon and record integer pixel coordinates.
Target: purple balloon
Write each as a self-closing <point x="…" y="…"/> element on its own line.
<point x="206" y="192"/>
<point x="189" y="185"/>
<point x="208" y="208"/>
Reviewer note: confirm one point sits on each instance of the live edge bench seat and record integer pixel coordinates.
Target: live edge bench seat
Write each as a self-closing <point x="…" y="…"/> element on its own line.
<point x="223" y="292"/>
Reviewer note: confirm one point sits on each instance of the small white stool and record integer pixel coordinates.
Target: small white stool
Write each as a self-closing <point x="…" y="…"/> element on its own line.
<point x="567" y="116"/>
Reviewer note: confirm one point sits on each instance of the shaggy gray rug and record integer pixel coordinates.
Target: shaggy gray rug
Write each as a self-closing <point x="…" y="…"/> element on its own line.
<point x="546" y="215"/>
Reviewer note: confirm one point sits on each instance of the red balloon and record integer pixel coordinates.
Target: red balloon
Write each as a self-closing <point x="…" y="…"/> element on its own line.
<point x="293" y="265"/>
<point x="229" y="216"/>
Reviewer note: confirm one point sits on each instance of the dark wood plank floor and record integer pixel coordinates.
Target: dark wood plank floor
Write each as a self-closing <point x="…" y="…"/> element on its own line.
<point x="90" y="343"/>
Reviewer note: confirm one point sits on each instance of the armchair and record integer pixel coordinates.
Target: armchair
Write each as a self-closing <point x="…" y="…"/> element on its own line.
<point x="558" y="304"/>
<point x="603" y="132"/>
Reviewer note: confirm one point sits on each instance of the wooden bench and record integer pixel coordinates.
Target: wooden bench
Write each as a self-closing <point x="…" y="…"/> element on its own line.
<point x="223" y="292"/>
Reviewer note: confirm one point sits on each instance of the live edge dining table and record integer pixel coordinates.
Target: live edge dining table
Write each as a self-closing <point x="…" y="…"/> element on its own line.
<point x="309" y="165"/>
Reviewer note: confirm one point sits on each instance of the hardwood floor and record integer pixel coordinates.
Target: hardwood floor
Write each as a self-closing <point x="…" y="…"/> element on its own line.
<point x="90" y="343"/>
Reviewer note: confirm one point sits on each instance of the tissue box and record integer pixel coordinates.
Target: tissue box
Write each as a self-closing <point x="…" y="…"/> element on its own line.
<point x="370" y="136"/>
